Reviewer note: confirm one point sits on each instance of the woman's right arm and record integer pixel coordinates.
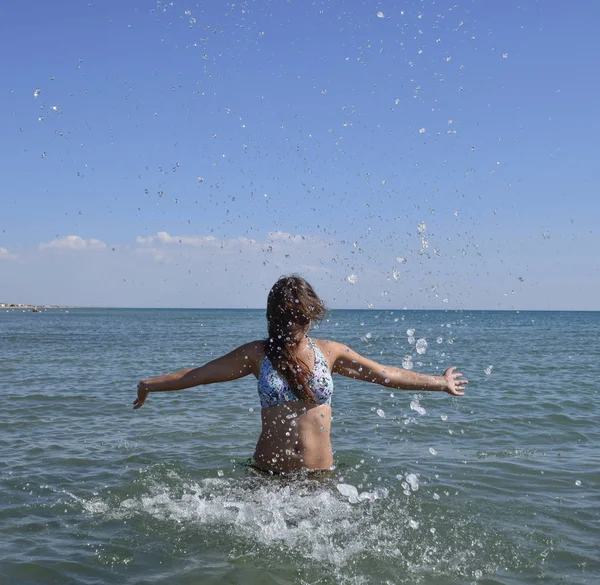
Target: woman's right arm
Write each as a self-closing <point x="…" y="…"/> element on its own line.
<point x="239" y="363"/>
<point x="351" y="364"/>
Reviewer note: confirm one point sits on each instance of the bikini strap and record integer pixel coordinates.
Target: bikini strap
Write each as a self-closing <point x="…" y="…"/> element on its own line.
<point x="319" y="357"/>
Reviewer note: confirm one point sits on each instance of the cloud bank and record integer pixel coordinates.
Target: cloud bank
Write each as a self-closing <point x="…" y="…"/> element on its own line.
<point x="73" y="243"/>
<point x="6" y="255"/>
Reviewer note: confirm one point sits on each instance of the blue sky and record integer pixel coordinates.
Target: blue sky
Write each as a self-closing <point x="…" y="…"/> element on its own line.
<point x="412" y="154"/>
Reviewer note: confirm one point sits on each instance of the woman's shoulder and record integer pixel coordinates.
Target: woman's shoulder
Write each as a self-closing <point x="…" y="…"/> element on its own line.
<point x="255" y="350"/>
<point x="331" y="349"/>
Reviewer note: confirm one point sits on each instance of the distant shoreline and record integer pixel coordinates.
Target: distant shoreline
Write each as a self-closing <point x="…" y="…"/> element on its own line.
<point x="13" y="307"/>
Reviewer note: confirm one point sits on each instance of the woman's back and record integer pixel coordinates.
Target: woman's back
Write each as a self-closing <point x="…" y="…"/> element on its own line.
<point x="296" y="434"/>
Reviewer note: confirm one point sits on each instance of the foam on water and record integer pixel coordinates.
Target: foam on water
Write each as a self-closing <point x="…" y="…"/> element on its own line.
<point x="350" y="531"/>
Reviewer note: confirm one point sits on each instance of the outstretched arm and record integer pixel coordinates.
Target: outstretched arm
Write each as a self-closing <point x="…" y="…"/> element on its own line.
<point x="353" y="365"/>
<point x="236" y="364"/>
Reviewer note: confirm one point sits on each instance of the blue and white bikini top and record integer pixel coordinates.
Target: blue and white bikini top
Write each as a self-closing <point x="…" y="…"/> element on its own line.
<point x="273" y="388"/>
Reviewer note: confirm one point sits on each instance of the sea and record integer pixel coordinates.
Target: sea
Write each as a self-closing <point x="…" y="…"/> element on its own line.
<point x="500" y="486"/>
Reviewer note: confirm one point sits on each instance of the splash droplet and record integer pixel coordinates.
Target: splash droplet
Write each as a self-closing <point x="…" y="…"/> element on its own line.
<point x="414" y="405"/>
<point x="348" y="491"/>
<point x="380" y="412"/>
<point x="413" y="481"/>
<point x="421" y="346"/>
<point x="352" y="278"/>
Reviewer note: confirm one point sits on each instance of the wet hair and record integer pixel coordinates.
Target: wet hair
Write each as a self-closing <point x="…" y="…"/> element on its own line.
<point x="291" y="306"/>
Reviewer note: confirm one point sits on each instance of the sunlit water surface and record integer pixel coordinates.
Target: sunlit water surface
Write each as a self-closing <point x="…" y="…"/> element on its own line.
<point x="501" y="486"/>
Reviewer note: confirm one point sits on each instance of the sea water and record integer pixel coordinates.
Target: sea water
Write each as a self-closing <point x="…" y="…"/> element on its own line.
<point x="501" y="486"/>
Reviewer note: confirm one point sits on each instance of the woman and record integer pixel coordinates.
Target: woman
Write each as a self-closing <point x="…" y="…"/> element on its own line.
<point x="294" y="380"/>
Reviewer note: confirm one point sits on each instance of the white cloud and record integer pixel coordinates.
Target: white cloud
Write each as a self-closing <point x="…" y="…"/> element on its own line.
<point x="282" y="242"/>
<point x="289" y="238"/>
<point x="6" y="255"/>
<point x="73" y="243"/>
<point x="165" y="238"/>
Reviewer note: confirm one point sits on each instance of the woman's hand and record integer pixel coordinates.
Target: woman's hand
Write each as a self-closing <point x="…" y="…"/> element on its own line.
<point x="454" y="382"/>
<point x="142" y="395"/>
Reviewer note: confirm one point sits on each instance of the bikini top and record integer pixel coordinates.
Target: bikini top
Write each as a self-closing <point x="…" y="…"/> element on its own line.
<point x="273" y="388"/>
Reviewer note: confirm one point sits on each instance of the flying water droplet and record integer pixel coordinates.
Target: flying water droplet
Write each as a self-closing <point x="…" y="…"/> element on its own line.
<point x="380" y="15"/>
<point x="414" y="405"/>
<point x="352" y="278"/>
<point x="380" y="412"/>
<point x="37" y="92"/>
<point x="421" y="346"/>
<point x="349" y="491"/>
<point x="413" y="481"/>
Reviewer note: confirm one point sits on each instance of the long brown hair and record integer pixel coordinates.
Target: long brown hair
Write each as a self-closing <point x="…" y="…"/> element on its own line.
<point x="291" y="306"/>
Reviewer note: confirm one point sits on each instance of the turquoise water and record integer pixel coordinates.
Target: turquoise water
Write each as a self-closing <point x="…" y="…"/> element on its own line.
<point x="501" y="486"/>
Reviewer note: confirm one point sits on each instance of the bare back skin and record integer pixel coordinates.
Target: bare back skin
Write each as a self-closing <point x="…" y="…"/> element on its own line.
<point x="296" y="435"/>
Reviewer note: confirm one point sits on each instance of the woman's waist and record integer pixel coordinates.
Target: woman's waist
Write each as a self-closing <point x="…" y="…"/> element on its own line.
<point x="285" y="458"/>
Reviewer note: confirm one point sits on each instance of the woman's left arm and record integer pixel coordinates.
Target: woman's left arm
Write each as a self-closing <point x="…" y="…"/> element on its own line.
<point x="240" y="362"/>
<point x="351" y="364"/>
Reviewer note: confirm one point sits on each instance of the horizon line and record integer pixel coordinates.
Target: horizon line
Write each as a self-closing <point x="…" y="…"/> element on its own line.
<point x="122" y="307"/>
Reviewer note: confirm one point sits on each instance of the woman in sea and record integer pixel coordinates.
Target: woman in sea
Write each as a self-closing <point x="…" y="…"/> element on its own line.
<point x="294" y="380"/>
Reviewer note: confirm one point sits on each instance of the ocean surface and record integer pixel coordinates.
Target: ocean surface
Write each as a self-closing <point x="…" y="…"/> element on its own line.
<point x="501" y="486"/>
